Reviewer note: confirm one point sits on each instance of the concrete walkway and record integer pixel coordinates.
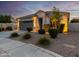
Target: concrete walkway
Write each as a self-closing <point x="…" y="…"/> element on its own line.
<point x="12" y="48"/>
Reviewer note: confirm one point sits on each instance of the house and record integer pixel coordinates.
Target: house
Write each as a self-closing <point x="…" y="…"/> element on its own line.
<point x="41" y="19"/>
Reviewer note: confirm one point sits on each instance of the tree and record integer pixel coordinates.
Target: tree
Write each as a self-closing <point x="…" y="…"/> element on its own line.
<point x="1" y="18"/>
<point x="74" y="20"/>
<point x="5" y="19"/>
<point x="1" y="21"/>
<point x="55" y="17"/>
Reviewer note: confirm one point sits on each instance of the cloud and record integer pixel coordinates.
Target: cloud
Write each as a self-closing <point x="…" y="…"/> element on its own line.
<point x="25" y="8"/>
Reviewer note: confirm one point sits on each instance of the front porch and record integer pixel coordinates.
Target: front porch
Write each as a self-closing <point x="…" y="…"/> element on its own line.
<point x="46" y="24"/>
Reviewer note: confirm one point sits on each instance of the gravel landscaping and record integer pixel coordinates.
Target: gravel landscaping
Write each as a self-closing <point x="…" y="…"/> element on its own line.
<point x="66" y="44"/>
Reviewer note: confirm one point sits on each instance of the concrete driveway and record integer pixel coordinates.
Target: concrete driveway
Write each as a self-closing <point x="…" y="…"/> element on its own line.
<point x="12" y="48"/>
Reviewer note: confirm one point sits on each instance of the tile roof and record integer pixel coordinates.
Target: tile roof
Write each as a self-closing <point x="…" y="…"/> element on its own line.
<point x="47" y="13"/>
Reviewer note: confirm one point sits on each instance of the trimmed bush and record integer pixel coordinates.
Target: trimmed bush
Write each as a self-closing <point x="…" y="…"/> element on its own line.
<point x="29" y="29"/>
<point x="41" y="31"/>
<point x="14" y="34"/>
<point x="75" y="21"/>
<point x="44" y="41"/>
<point x="9" y="28"/>
<point x="53" y="33"/>
<point x="76" y="55"/>
<point x="27" y="36"/>
<point x="0" y="29"/>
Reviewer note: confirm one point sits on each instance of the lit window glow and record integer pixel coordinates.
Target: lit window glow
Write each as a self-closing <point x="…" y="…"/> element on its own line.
<point x="65" y="22"/>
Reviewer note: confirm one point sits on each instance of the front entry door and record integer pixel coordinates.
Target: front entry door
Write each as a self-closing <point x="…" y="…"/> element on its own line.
<point x="40" y="22"/>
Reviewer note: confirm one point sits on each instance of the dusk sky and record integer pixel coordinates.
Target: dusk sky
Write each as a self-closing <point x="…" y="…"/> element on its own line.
<point x="20" y="8"/>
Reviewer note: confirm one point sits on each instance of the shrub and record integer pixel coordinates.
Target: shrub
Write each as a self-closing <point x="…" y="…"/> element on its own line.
<point x="14" y="34"/>
<point x="41" y="31"/>
<point x="53" y="33"/>
<point x="9" y="28"/>
<point x="75" y="21"/>
<point x="44" y="41"/>
<point x="76" y="55"/>
<point x="27" y="36"/>
<point x="0" y="29"/>
<point x="29" y="29"/>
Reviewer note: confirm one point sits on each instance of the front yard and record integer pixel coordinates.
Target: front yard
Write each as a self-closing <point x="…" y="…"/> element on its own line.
<point x="65" y="44"/>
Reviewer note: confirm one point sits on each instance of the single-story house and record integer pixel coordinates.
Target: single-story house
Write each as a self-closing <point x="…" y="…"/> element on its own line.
<point x="41" y="19"/>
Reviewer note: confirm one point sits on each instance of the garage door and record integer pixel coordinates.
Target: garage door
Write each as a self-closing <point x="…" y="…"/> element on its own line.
<point x="25" y="24"/>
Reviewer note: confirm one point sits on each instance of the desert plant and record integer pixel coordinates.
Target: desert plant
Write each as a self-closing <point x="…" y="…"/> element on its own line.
<point x="41" y="31"/>
<point x="44" y="41"/>
<point x="0" y="29"/>
<point x="75" y="21"/>
<point x="53" y="33"/>
<point x="14" y="34"/>
<point x="76" y="55"/>
<point x="29" y="29"/>
<point x="27" y="36"/>
<point x="9" y="28"/>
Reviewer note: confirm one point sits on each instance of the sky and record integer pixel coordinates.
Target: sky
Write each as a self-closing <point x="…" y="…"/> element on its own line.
<point x="23" y="8"/>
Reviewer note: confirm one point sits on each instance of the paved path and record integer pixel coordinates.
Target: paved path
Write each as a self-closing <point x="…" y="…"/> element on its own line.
<point x="12" y="48"/>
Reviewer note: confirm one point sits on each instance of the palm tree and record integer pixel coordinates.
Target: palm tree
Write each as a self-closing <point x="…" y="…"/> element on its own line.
<point x="55" y="17"/>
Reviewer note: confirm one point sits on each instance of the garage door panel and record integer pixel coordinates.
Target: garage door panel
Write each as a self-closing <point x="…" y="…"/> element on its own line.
<point x="25" y="24"/>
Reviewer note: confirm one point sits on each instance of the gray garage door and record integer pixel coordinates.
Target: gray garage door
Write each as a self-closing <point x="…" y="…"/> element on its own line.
<point x="25" y="24"/>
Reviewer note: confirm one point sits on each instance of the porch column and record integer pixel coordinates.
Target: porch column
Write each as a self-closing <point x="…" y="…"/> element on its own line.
<point x="46" y="23"/>
<point x="17" y="25"/>
<point x="35" y="24"/>
<point x="65" y="22"/>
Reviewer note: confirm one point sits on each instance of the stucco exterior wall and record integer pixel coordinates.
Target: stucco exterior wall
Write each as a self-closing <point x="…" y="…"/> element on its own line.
<point x="65" y="22"/>
<point x="46" y="20"/>
<point x="4" y="25"/>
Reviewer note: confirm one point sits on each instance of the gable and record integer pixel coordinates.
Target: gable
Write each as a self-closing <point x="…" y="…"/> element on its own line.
<point x="40" y="13"/>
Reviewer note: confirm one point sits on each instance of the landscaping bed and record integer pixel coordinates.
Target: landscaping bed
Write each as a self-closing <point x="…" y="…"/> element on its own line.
<point x="65" y="44"/>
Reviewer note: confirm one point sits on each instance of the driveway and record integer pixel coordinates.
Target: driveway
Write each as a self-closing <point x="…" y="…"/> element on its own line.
<point x="12" y="48"/>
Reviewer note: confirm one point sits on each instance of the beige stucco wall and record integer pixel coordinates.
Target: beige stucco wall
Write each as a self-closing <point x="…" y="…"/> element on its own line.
<point x="65" y="22"/>
<point x="65" y="19"/>
<point x="35" y="24"/>
<point x="4" y="25"/>
<point x="45" y="24"/>
<point x="17" y="25"/>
